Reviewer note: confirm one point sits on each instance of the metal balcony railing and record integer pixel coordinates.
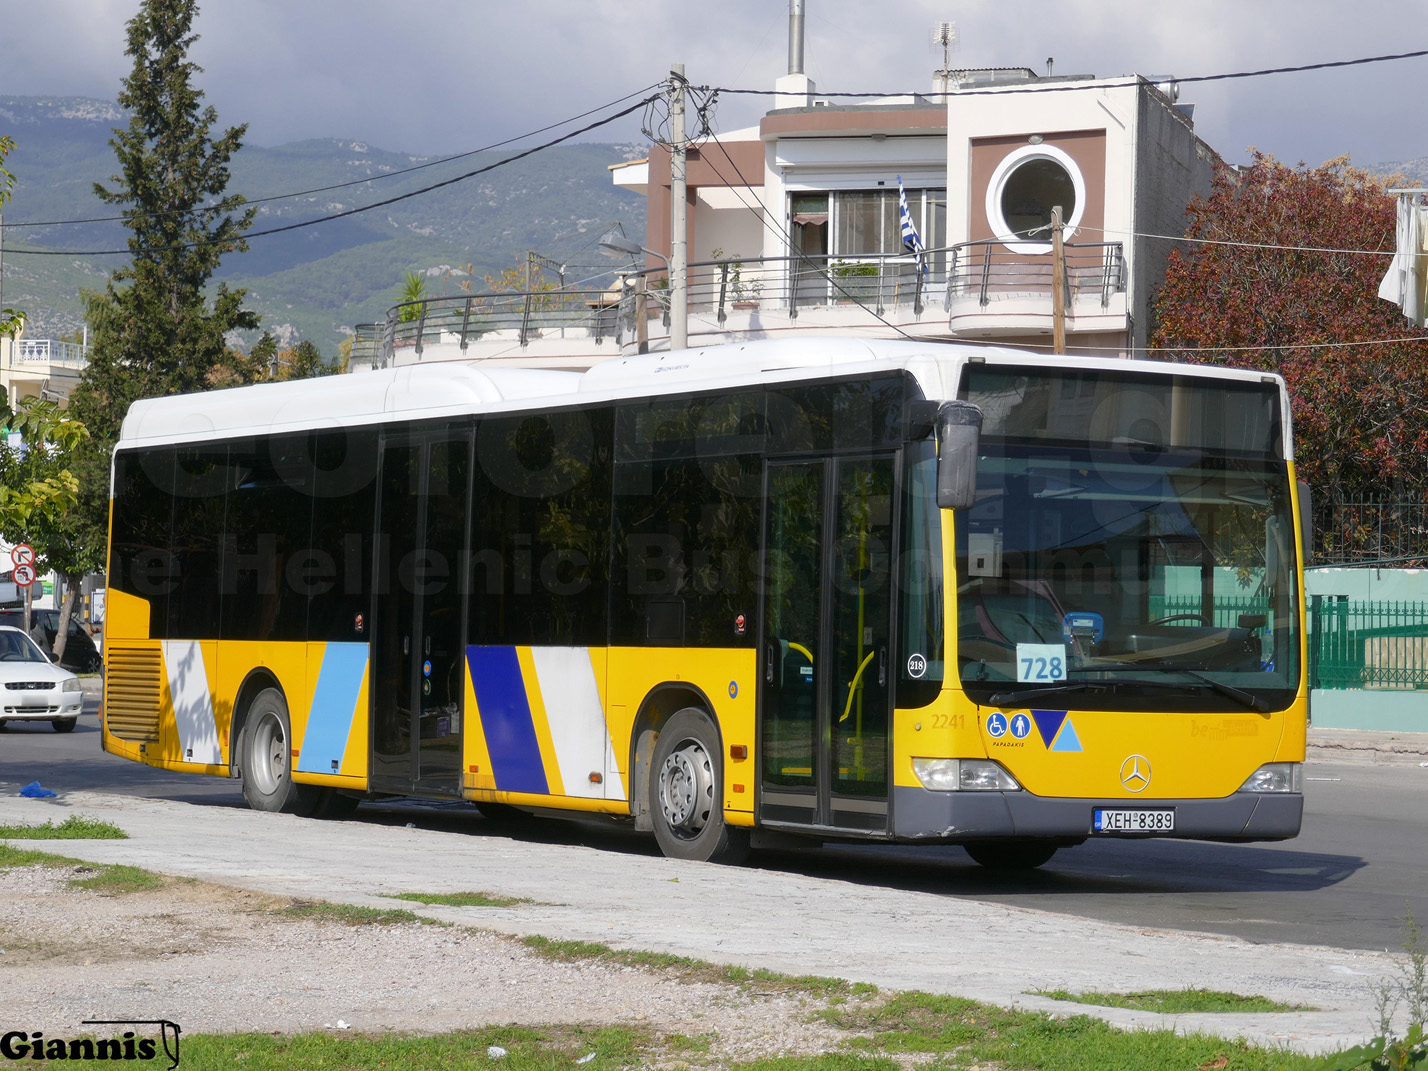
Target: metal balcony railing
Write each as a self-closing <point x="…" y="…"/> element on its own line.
<point x="746" y="288"/>
<point x="51" y="351"/>
<point x="997" y="270"/>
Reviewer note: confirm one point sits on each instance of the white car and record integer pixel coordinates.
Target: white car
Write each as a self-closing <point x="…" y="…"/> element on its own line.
<point x="32" y="688"/>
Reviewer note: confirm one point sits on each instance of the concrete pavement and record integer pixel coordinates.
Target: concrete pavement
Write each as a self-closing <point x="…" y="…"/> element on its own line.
<point x="751" y="916"/>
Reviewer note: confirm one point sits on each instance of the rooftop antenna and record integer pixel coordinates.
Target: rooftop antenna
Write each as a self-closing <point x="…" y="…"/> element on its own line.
<point x="945" y="34"/>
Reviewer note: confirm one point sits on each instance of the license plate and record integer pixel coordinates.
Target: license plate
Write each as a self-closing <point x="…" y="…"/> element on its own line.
<point x="1109" y="821"/>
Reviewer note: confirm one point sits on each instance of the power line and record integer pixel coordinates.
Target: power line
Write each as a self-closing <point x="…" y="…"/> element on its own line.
<point x="352" y="182"/>
<point x="714" y="91"/>
<point x="339" y="215"/>
<point x="1257" y="348"/>
<point x="1112" y="83"/>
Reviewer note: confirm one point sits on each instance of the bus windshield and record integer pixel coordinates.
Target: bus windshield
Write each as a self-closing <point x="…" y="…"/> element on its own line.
<point x="1129" y="572"/>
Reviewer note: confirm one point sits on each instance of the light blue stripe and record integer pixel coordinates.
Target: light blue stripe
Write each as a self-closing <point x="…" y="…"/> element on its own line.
<point x="334" y="705"/>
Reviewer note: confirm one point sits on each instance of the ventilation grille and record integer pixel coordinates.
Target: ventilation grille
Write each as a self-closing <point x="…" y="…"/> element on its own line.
<point x="132" y="693"/>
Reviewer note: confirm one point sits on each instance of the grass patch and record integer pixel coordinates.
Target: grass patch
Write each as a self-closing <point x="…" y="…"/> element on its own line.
<point x="75" y="827"/>
<point x="116" y="880"/>
<point x="12" y="856"/>
<point x="462" y="899"/>
<point x="353" y="915"/>
<point x="1175" y="1001"/>
<point x="544" y="1049"/>
<point x="698" y="970"/>
<point x="968" y="1032"/>
<point x="119" y="880"/>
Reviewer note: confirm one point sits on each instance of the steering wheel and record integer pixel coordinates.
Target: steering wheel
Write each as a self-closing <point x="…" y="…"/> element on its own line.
<point x="1204" y="619"/>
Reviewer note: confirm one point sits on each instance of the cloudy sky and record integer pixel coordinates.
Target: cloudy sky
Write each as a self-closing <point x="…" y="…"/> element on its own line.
<point x="446" y="76"/>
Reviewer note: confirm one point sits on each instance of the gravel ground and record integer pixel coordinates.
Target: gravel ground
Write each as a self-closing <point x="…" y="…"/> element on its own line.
<point x="218" y="959"/>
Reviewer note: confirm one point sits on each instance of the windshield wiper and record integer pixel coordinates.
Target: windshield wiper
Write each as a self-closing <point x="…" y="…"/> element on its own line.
<point x="1019" y="697"/>
<point x="1249" y="699"/>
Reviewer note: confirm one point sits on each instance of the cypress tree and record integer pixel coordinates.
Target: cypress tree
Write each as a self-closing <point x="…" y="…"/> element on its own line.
<point x="154" y="331"/>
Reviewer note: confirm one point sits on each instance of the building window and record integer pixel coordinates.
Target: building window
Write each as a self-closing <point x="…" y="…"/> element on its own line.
<point x="864" y="223"/>
<point x="1024" y="188"/>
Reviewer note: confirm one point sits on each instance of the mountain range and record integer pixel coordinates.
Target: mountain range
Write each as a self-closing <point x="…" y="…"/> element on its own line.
<point x="318" y="281"/>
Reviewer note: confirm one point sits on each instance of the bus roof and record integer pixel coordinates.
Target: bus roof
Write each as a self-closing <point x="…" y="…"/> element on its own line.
<point x="450" y="388"/>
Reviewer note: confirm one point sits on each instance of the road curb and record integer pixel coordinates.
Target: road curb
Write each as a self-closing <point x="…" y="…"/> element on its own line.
<point x="1368" y="747"/>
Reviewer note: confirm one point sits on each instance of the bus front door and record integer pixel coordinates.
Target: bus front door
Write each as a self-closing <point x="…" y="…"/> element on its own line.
<point x="825" y="674"/>
<point x="417" y="669"/>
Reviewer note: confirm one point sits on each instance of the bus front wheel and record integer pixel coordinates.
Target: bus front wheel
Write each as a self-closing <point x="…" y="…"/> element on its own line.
<point x="266" y="757"/>
<point x="687" y="793"/>
<point x="1011" y="854"/>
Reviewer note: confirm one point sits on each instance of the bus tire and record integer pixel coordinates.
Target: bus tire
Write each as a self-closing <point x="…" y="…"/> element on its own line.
<point x="266" y="760"/>
<point x="1011" y="854"/>
<point x="687" y="793"/>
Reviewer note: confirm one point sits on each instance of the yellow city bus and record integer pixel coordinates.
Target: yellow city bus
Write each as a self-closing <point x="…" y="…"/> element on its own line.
<point x="832" y="588"/>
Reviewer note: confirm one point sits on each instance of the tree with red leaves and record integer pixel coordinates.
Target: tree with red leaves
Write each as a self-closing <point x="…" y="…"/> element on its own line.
<point x="1298" y="308"/>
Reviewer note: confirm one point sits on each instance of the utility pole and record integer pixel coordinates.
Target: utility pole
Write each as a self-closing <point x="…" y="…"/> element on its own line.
<point x="678" y="217"/>
<point x="1058" y="284"/>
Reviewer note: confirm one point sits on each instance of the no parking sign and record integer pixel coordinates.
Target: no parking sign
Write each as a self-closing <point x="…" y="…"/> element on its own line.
<point x="23" y="558"/>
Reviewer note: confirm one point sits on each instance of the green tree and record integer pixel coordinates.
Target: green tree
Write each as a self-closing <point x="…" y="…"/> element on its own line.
<point x="10" y="320"/>
<point x="154" y="331"/>
<point x="41" y="481"/>
<point x="305" y="361"/>
<point x="1288" y="282"/>
<point x="31" y="494"/>
<point x="413" y="289"/>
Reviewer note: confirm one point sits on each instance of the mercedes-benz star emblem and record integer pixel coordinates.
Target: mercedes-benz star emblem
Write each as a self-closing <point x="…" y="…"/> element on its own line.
<point x="1135" y="773"/>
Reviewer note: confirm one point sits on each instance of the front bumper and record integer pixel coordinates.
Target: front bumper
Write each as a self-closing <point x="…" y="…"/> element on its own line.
<point x="921" y="814"/>
<point x="46" y="707"/>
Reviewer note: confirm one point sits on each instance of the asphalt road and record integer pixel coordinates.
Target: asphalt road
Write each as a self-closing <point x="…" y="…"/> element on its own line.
<point x="1346" y="882"/>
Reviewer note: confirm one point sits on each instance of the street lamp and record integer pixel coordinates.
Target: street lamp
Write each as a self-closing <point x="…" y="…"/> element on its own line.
<point x="614" y="244"/>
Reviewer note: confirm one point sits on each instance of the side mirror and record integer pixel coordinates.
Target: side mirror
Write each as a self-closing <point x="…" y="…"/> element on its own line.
<point x="959" y="432"/>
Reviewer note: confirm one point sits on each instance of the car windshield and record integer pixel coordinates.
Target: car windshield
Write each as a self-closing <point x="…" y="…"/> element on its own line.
<point x="17" y="647"/>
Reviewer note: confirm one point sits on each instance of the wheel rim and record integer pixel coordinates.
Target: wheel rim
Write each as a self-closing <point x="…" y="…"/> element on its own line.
<point x="686" y="789"/>
<point x="270" y="753"/>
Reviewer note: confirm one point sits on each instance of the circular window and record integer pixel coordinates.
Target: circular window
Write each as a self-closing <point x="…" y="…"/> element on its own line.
<point x="1025" y="187"/>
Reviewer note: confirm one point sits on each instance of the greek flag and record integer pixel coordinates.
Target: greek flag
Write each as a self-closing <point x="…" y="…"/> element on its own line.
<point x="910" y="241"/>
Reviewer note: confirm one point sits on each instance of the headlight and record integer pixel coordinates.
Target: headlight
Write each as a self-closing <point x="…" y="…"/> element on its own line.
<point x="1276" y="777"/>
<point x="71" y="685"/>
<point x="963" y="775"/>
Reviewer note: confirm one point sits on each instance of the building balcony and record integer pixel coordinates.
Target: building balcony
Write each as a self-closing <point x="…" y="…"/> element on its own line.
<point x="1005" y="288"/>
<point x="974" y="290"/>
<point x="51" y="353"/>
<point x="40" y="368"/>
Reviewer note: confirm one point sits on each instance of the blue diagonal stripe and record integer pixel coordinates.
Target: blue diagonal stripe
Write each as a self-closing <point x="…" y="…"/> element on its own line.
<point x="506" y="719"/>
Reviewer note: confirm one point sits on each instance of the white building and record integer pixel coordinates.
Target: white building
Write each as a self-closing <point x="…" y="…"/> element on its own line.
<point x="793" y="227"/>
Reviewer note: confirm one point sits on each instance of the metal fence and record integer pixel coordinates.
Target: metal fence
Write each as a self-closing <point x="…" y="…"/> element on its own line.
<point x="1352" y="644"/>
<point x="1226" y="613"/>
<point x="1379" y="645"/>
<point x="1361" y="529"/>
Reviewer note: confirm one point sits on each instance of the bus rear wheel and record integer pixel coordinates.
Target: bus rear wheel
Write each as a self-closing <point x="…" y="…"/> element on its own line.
<point x="1011" y="854"/>
<point x="266" y="756"/>
<point x="687" y="793"/>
